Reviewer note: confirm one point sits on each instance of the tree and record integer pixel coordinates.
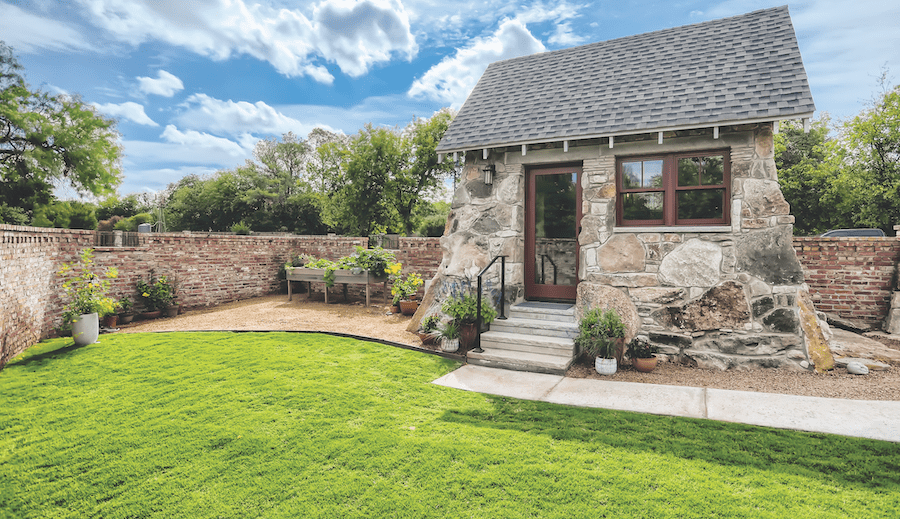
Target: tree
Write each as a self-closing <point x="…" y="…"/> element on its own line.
<point x="805" y="176"/>
<point x="423" y="174"/>
<point x="869" y="156"/>
<point x="47" y="139"/>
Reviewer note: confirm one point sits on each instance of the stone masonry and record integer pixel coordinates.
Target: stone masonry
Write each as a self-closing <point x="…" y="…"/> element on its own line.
<point x="718" y="297"/>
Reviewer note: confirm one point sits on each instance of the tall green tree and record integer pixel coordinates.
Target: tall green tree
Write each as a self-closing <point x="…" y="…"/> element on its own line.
<point x="869" y="179"/>
<point x="423" y="174"/>
<point x="805" y="174"/>
<point x="49" y="139"/>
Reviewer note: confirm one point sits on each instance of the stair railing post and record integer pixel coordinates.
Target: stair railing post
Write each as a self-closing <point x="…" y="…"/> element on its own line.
<point x="477" y="348"/>
<point x="502" y="288"/>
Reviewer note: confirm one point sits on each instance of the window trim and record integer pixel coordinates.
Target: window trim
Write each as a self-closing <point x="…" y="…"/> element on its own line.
<point x="670" y="189"/>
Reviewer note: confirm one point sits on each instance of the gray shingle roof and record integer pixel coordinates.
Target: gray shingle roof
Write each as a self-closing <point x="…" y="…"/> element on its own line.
<point x="719" y="72"/>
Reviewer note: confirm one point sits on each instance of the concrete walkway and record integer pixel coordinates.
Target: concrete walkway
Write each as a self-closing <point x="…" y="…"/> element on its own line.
<point x="878" y="420"/>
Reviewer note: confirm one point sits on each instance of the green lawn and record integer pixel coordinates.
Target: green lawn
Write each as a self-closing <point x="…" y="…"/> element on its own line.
<point x="201" y="425"/>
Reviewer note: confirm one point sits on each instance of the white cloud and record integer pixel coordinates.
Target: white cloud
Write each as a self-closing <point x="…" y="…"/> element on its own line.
<point x="165" y="85"/>
<point x="454" y="77"/>
<point x="155" y="180"/>
<point x="238" y="117"/>
<point x="27" y="33"/>
<point x="199" y="142"/>
<point x="128" y="110"/>
<point x="354" y="34"/>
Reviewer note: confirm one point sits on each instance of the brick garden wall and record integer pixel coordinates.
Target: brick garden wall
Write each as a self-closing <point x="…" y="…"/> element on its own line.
<point x="209" y="270"/>
<point x="850" y="277"/>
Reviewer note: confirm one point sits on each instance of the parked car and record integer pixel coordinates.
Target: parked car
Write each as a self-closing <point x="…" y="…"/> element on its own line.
<point x="836" y="233"/>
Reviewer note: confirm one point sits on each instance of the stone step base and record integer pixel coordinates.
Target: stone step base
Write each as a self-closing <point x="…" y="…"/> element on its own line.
<point x="521" y="361"/>
<point x="533" y="327"/>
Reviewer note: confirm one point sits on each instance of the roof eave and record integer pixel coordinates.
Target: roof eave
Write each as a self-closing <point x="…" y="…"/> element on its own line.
<point x="502" y="144"/>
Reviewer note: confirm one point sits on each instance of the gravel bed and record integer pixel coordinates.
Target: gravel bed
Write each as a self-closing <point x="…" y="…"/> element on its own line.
<point x="275" y="312"/>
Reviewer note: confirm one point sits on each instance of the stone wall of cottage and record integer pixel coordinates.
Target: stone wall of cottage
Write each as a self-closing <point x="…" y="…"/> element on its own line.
<point x="720" y="297"/>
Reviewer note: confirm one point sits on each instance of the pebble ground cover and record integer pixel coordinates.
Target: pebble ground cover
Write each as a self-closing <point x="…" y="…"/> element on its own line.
<point x="199" y="425"/>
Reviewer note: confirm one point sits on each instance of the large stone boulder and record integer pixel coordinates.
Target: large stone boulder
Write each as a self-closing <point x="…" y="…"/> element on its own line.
<point x="769" y="255"/>
<point x="594" y="295"/>
<point x="622" y="253"/>
<point x="695" y="263"/>
<point x="721" y="307"/>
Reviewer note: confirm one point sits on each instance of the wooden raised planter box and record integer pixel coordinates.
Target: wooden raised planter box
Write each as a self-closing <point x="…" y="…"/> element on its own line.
<point x="344" y="277"/>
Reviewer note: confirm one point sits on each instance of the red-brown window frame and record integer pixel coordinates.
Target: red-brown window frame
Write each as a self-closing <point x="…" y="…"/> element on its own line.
<point x="670" y="189"/>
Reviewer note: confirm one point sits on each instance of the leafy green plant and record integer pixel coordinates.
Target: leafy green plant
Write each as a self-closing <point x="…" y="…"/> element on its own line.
<point x="597" y="332"/>
<point x="158" y="294"/>
<point x="450" y="330"/>
<point x="378" y="261"/>
<point x="406" y="288"/>
<point x="430" y="323"/>
<point x="125" y="305"/>
<point x="464" y="309"/>
<point x="641" y="349"/>
<point x="88" y="290"/>
<point x="241" y="228"/>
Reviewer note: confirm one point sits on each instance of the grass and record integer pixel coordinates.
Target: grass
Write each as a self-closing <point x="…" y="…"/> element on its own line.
<point x="202" y="425"/>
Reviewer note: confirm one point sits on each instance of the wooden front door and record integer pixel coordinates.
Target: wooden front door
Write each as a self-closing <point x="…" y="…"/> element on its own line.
<point x="552" y="218"/>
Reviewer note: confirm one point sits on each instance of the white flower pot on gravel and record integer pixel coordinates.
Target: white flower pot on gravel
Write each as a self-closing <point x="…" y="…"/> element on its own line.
<point x="605" y="366"/>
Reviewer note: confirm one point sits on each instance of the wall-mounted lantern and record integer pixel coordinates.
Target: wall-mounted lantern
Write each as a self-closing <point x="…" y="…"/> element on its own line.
<point x="489" y="171"/>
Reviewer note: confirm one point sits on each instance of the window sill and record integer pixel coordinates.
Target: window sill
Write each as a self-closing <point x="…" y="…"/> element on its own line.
<point x="675" y="229"/>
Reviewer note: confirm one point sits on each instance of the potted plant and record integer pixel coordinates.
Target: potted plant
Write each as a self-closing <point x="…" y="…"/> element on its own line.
<point x="601" y="335"/>
<point x="405" y="289"/>
<point x="157" y="295"/>
<point x="429" y="328"/>
<point x="127" y="310"/>
<point x="464" y="310"/>
<point x="642" y="355"/>
<point x="111" y="319"/>
<point x="89" y="299"/>
<point x="449" y="336"/>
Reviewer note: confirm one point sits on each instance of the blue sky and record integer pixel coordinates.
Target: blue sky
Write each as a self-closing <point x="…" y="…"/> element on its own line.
<point x="195" y="84"/>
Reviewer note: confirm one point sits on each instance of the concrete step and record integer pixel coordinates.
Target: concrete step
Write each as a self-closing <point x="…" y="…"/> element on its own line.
<point x="527" y="343"/>
<point x="521" y="361"/>
<point x="535" y="327"/>
<point x="550" y="313"/>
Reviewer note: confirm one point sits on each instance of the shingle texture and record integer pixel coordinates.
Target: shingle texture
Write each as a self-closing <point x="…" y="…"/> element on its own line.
<point x="723" y="71"/>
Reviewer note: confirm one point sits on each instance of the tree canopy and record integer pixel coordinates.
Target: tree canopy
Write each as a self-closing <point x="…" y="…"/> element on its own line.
<point x="846" y="175"/>
<point x="46" y="140"/>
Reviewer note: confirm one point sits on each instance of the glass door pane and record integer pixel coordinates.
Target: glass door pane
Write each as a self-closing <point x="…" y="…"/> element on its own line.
<point x="555" y="227"/>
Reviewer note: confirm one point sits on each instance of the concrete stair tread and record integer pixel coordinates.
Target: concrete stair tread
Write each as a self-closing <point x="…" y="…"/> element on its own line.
<point x="521" y="361"/>
<point x="521" y="338"/>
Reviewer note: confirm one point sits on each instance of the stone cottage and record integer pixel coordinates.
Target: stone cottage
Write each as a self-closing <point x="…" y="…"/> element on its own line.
<point x="637" y="174"/>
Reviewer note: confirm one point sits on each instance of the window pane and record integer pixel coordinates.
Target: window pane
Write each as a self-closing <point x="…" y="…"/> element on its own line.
<point x="642" y="206"/>
<point x="689" y="171"/>
<point x="631" y="175"/>
<point x="653" y="173"/>
<point x="701" y="203"/>
<point x="713" y="171"/>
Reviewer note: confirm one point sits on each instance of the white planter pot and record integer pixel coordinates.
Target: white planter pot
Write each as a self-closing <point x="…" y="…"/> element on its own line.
<point x="86" y="329"/>
<point x="605" y="366"/>
<point x="449" y="345"/>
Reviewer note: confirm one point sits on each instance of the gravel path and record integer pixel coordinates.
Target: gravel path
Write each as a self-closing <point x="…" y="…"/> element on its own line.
<point x="275" y="312"/>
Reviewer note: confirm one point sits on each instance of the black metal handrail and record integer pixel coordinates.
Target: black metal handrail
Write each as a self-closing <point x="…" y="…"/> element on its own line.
<point x="548" y="258"/>
<point x="477" y="348"/>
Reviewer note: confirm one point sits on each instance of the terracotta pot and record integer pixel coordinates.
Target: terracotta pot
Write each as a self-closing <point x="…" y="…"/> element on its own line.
<point x="395" y="309"/>
<point x="126" y="318"/>
<point x="409" y="307"/>
<point x="110" y="321"/>
<point x="151" y="315"/>
<point x="426" y="338"/>
<point x="644" y="365"/>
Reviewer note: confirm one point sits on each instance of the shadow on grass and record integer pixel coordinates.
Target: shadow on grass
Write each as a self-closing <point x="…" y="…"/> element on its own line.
<point x="28" y="356"/>
<point x="828" y="458"/>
